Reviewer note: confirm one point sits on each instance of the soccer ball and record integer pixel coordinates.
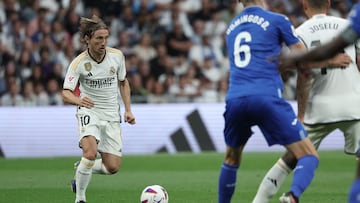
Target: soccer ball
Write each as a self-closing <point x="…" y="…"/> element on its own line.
<point x="154" y="194"/>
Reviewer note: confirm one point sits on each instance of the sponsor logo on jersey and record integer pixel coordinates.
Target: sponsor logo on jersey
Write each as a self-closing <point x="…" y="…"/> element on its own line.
<point x="100" y="83"/>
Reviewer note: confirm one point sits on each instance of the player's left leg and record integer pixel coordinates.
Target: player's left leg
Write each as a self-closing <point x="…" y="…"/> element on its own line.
<point x="275" y="177"/>
<point x="108" y="164"/>
<point x="228" y="174"/>
<point x="110" y="148"/>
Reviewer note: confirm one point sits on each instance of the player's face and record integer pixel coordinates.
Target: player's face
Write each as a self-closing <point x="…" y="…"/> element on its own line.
<point x="98" y="41"/>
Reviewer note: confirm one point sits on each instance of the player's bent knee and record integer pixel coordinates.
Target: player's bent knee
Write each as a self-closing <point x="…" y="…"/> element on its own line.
<point x="289" y="159"/>
<point x="112" y="170"/>
<point x="231" y="160"/>
<point x="302" y="148"/>
<point x="89" y="155"/>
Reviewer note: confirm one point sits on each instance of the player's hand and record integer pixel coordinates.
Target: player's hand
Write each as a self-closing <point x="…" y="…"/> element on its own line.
<point x="86" y="102"/>
<point x="129" y="117"/>
<point x="340" y="60"/>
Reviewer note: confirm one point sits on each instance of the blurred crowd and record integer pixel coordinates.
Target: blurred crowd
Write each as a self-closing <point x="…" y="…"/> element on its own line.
<point x="174" y="49"/>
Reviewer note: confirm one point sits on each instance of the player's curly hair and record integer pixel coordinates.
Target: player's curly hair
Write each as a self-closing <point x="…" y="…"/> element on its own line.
<point x="89" y="25"/>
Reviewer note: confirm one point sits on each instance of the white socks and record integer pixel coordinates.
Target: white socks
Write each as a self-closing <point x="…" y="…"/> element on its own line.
<point x="99" y="168"/>
<point x="272" y="182"/>
<point x="83" y="176"/>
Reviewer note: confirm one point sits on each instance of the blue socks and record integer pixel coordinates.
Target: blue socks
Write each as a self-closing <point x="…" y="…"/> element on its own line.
<point x="354" y="194"/>
<point x="227" y="182"/>
<point x="303" y="174"/>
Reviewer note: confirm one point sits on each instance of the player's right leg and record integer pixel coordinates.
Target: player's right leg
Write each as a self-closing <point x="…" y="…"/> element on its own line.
<point x="89" y="125"/>
<point x="84" y="169"/>
<point x="237" y="131"/>
<point x="228" y="174"/>
<point x="304" y="172"/>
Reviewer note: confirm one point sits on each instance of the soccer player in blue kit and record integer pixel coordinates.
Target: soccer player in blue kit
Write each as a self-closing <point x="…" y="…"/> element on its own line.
<point x="254" y="97"/>
<point x="347" y="37"/>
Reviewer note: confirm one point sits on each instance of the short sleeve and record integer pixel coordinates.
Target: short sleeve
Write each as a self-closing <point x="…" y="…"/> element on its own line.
<point x="288" y="32"/>
<point x="122" y="68"/>
<point x="71" y="78"/>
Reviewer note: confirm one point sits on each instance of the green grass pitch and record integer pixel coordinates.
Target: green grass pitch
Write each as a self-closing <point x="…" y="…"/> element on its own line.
<point x="188" y="178"/>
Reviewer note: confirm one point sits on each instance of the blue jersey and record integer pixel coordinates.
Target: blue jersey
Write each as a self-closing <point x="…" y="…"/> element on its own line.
<point x="254" y="40"/>
<point x="355" y="18"/>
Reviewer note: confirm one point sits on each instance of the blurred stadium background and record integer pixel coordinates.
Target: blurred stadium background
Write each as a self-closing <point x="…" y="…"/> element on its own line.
<point x="177" y="67"/>
<point x="175" y="51"/>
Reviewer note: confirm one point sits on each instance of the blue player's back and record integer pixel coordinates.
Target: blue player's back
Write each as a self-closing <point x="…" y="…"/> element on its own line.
<point x="254" y="39"/>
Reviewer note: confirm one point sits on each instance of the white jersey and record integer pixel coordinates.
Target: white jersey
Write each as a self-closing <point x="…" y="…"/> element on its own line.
<point x="335" y="93"/>
<point x="98" y="81"/>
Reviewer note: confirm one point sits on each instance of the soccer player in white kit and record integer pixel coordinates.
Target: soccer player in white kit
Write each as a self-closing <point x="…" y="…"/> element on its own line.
<point x="101" y="74"/>
<point x="328" y="99"/>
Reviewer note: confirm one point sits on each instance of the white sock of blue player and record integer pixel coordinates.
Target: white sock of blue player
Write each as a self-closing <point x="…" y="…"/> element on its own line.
<point x="83" y="177"/>
<point x="227" y="183"/>
<point x="303" y="174"/>
<point x="272" y="182"/>
<point x="99" y="168"/>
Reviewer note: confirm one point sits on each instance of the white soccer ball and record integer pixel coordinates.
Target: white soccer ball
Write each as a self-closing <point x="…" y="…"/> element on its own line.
<point x="154" y="194"/>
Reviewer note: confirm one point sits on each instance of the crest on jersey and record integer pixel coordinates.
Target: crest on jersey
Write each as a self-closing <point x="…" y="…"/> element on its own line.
<point x="88" y="66"/>
<point x="112" y="70"/>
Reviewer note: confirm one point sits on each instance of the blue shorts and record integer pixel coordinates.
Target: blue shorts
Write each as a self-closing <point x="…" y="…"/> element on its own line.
<point x="274" y="116"/>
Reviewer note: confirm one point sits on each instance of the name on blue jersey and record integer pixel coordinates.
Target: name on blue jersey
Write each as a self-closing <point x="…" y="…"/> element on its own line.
<point x="248" y="19"/>
<point x="324" y="26"/>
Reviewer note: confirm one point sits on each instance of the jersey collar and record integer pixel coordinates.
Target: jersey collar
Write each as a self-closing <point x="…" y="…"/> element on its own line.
<point x="316" y="16"/>
<point x="98" y="62"/>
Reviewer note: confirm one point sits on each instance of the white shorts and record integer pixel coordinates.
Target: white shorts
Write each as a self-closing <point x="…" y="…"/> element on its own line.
<point x="107" y="133"/>
<point x="350" y="130"/>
